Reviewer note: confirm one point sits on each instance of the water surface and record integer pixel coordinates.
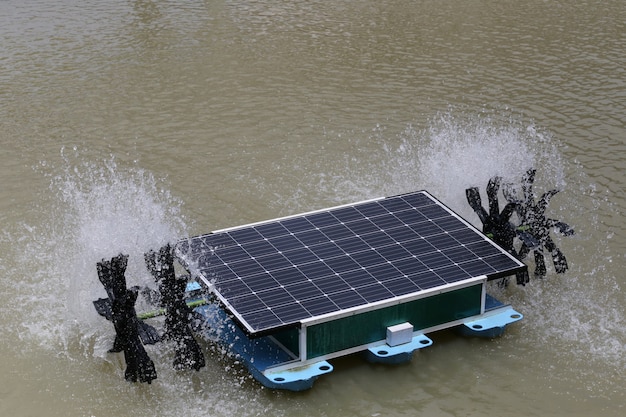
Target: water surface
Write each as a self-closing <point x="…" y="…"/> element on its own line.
<point x="128" y="124"/>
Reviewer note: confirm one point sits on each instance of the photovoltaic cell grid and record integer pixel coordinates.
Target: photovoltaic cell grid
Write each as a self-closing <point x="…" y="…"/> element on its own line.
<point x="277" y="273"/>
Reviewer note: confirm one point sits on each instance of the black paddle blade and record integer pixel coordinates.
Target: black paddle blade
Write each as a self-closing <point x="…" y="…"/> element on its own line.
<point x="473" y="198"/>
<point x="523" y="252"/>
<point x="103" y="307"/>
<point x="111" y="275"/>
<point x="178" y="316"/>
<point x="544" y="200"/>
<point x="527" y="184"/>
<point x="120" y="309"/>
<point x="560" y="263"/>
<point x="161" y="263"/>
<point x="540" y="264"/>
<point x="139" y="366"/>
<point x="188" y="354"/>
<point x="564" y="228"/>
<point x="492" y="195"/>
<point x="510" y="194"/>
<point x="508" y="211"/>
<point x="522" y="277"/>
<point x="148" y="334"/>
<point x="528" y="240"/>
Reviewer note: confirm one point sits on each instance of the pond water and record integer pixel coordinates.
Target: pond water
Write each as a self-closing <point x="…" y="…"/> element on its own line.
<point x="128" y="124"/>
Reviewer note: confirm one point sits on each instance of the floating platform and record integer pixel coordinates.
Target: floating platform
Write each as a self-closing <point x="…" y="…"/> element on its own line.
<point x="374" y="277"/>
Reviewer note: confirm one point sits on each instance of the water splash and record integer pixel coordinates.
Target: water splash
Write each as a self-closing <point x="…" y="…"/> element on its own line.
<point x="578" y="314"/>
<point x="459" y="151"/>
<point x="570" y="319"/>
<point x="453" y="152"/>
<point x="95" y="210"/>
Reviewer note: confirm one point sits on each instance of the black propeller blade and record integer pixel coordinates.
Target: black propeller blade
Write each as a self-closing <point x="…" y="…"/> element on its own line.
<point x="496" y="224"/>
<point x="120" y="309"/>
<point x="178" y="316"/>
<point x="535" y="222"/>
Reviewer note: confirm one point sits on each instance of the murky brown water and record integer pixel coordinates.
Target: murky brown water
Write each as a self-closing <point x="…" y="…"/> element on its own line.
<point x="127" y="123"/>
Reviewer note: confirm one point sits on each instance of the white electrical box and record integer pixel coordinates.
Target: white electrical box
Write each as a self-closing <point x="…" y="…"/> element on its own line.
<point x="399" y="334"/>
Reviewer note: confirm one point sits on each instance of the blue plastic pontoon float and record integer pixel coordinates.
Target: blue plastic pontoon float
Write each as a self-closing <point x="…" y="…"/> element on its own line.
<point x="290" y="294"/>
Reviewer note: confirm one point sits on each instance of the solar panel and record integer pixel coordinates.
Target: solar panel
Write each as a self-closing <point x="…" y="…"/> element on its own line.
<point x="277" y="273"/>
